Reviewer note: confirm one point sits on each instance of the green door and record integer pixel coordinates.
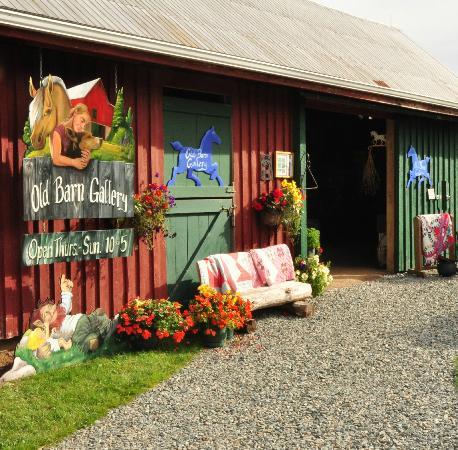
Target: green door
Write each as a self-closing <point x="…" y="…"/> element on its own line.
<point x="202" y="218"/>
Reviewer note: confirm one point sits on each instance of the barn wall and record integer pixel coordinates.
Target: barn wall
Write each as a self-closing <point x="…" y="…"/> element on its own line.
<point x="439" y="140"/>
<point x="261" y="123"/>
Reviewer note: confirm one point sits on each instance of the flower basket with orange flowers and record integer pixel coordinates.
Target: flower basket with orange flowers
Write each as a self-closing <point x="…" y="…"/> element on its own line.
<point x="214" y="312"/>
<point x="147" y="322"/>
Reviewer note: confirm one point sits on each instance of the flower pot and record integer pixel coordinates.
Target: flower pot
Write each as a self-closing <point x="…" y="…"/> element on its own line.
<point x="229" y="334"/>
<point x="271" y="218"/>
<point x="214" y="341"/>
<point x="446" y="267"/>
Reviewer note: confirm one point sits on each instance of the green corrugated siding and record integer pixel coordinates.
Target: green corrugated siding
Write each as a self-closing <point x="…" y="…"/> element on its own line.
<point x="439" y="140"/>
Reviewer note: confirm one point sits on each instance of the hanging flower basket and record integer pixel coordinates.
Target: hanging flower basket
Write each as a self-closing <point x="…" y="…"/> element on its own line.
<point x="271" y="218"/>
<point x="284" y="205"/>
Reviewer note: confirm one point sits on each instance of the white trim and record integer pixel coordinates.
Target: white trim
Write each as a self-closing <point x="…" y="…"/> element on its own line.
<point x="76" y="31"/>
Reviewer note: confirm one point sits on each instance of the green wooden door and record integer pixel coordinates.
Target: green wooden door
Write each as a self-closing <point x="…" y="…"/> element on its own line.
<point x="202" y="218"/>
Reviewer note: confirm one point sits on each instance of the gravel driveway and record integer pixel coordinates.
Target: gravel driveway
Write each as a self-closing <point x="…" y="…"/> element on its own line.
<point x="372" y="369"/>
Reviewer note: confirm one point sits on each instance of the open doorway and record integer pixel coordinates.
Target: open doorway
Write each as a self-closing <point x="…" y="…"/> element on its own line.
<point x="350" y="214"/>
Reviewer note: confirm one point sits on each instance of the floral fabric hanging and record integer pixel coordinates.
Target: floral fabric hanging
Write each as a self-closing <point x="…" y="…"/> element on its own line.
<point x="437" y="234"/>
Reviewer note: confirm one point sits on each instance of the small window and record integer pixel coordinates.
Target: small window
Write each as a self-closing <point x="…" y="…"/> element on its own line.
<point x="94" y="114"/>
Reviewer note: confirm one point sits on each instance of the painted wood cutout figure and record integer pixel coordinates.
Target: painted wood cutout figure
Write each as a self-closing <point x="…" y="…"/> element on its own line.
<point x="419" y="168"/>
<point x="197" y="159"/>
<point x="54" y="330"/>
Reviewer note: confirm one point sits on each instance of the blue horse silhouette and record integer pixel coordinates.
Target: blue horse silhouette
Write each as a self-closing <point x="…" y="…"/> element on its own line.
<point x="197" y="159"/>
<point x="419" y="168"/>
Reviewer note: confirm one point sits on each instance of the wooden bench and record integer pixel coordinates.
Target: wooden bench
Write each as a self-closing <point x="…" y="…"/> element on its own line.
<point x="260" y="277"/>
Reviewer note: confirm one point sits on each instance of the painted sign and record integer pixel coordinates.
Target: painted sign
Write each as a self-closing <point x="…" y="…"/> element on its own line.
<point x="57" y="338"/>
<point x="80" y="151"/>
<point x="419" y="168"/>
<point x="103" y="190"/>
<point x="197" y="159"/>
<point x="48" y="248"/>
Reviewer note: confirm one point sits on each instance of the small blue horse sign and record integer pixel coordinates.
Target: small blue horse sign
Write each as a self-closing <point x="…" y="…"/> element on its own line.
<point x="419" y="168"/>
<point x="197" y="159"/>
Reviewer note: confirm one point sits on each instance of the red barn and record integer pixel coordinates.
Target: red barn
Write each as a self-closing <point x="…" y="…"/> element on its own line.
<point x="94" y="96"/>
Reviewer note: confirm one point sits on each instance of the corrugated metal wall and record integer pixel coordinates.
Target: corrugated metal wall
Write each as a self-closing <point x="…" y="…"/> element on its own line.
<point x="439" y="140"/>
<point x="261" y="123"/>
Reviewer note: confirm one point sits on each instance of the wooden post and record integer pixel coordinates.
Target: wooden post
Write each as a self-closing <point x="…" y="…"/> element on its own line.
<point x="390" y="197"/>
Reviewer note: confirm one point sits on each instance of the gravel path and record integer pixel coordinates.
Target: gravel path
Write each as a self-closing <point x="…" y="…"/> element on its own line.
<point x="372" y="369"/>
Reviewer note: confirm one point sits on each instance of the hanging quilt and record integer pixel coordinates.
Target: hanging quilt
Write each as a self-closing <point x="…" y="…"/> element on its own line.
<point x="437" y="236"/>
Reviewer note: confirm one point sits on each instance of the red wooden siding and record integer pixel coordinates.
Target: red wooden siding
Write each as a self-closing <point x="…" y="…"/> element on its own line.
<point x="261" y="123"/>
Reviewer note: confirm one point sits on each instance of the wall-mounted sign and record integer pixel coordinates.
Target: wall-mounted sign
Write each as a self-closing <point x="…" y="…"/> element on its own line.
<point x="80" y="153"/>
<point x="104" y="189"/>
<point x="266" y="168"/>
<point x="48" y="248"/>
<point x="284" y="164"/>
<point x="419" y="168"/>
<point x="197" y="159"/>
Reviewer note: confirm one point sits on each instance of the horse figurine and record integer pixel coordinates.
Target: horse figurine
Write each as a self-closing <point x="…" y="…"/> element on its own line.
<point x="49" y="107"/>
<point x="197" y="159"/>
<point x="419" y="168"/>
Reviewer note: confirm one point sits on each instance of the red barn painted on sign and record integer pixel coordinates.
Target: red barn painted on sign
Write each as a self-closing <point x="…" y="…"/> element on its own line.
<point x="94" y="96"/>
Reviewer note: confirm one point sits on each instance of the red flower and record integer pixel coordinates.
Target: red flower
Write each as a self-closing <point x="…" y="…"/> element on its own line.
<point x="257" y="206"/>
<point x="277" y="193"/>
<point x="178" y="336"/>
<point x="284" y="203"/>
<point x="320" y="250"/>
<point x="146" y="334"/>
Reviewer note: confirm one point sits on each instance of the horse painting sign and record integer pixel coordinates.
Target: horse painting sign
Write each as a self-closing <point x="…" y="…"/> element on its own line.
<point x="77" y="164"/>
<point x="197" y="159"/>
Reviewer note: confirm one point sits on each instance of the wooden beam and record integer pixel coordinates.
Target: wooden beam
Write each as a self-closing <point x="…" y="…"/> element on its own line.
<point x="390" y="197"/>
<point x="75" y="45"/>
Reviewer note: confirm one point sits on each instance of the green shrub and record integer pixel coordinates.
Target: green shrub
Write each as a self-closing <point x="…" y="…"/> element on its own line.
<point x="313" y="238"/>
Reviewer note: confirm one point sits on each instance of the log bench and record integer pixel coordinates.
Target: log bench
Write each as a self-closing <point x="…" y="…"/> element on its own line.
<point x="263" y="276"/>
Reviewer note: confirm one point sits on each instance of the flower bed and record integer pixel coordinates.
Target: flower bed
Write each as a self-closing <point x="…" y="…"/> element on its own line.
<point x="148" y="320"/>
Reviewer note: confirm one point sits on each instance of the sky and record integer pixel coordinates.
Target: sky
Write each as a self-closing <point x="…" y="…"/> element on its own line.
<point x="432" y="24"/>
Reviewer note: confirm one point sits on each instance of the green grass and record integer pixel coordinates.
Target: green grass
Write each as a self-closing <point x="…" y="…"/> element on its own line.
<point x="44" y="409"/>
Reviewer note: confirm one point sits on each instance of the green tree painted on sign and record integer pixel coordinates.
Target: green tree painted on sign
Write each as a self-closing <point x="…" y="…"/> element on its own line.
<point x="26" y="137"/>
<point x="129" y="118"/>
<point x="118" y="114"/>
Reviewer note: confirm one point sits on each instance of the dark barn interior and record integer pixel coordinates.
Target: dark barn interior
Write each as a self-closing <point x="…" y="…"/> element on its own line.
<point x="351" y="219"/>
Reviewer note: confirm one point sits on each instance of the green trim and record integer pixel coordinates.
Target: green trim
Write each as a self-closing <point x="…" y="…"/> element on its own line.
<point x="191" y="106"/>
<point x="300" y="168"/>
<point x="202" y="192"/>
<point x="201" y="206"/>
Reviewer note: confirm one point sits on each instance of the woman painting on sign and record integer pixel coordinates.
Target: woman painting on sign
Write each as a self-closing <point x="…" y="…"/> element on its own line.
<point x="71" y="144"/>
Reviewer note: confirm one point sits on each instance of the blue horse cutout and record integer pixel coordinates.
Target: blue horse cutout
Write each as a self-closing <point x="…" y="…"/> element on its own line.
<point x="419" y="168"/>
<point x="197" y="159"/>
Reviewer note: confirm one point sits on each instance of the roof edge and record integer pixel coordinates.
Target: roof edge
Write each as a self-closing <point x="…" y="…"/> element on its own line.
<point x="85" y="33"/>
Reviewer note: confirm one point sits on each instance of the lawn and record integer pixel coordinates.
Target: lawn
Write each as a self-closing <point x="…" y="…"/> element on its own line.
<point x="44" y="409"/>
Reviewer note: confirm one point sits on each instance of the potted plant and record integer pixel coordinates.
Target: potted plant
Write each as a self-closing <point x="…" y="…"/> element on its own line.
<point x="282" y="205"/>
<point x="150" y="209"/>
<point x="313" y="241"/>
<point x="145" y="323"/>
<point x="214" y="312"/>
<point x="239" y="312"/>
<point x="311" y="270"/>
